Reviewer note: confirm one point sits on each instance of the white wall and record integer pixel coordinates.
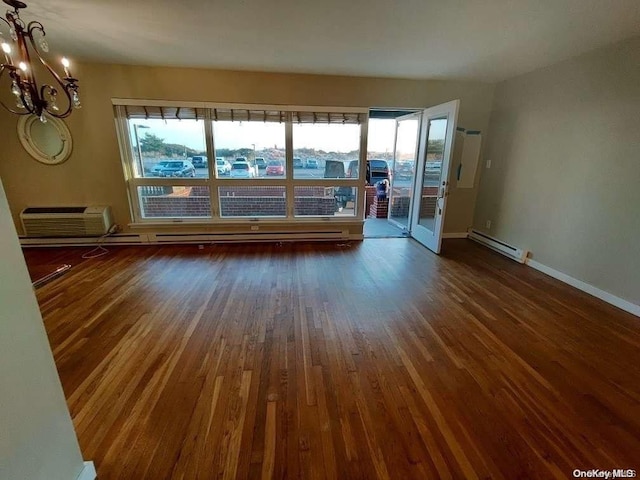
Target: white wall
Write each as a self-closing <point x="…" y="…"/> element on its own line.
<point x="37" y="440"/>
<point x="564" y="142"/>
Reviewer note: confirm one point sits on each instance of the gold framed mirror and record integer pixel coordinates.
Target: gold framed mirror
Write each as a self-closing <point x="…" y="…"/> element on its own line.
<point x="49" y="142"/>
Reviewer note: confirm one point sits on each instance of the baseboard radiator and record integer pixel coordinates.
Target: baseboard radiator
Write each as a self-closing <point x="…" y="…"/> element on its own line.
<point x="245" y="237"/>
<point x="186" y="238"/>
<point x="514" y="253"/>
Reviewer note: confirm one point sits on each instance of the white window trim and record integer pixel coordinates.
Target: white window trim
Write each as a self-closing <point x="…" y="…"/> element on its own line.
<point x="213" y="182"/>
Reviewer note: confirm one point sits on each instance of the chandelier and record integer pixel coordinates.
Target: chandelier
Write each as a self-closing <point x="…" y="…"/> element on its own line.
<point x="27" y="41"/>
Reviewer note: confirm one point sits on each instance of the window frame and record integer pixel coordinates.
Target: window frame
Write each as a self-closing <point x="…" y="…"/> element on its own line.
<point x="213" y="182"/>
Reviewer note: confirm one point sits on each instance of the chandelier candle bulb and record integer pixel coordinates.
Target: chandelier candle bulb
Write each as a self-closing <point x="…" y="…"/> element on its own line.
<point x="65" y="65"/>
<point x="23" y="66"/>
<point x="6" y="48"/>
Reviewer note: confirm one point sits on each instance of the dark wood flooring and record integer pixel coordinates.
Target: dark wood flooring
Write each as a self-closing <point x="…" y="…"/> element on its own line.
<point x="372" y="360"/>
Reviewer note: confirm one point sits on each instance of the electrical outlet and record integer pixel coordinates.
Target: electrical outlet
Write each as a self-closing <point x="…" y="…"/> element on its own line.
<point x="255" y="227"/>
<point x="488" y="224"/>
<point x="488" y="163"/>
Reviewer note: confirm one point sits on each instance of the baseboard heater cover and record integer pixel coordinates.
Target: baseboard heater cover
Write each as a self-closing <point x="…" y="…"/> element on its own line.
<point x="514" y="253"/>
<point x="246" y="237"/>
<point x="183" y="238"/>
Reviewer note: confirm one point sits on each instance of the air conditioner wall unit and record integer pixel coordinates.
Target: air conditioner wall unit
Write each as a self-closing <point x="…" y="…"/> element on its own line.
<point x="66" y="221"/>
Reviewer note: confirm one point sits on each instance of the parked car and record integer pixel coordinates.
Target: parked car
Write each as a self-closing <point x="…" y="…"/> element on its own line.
<point x="297" y="162"/>
<point x="158" y="167"/>
<point x="312" y="163"/>
<point x="377" y="170"/>
<point x="178" y="168"/>
<point x="353" y="170"/>
<point x="404" y="170"/>
<point x="222" y="166"/>
<point x="261" y="163"/>
<point x="432" y="170"/>
<point x="240" y="159"/>
<point x="275" y="168"/>
<point x="333" y="169"/>
<point x="199" y="161"/>
<point x="242" y="170"/>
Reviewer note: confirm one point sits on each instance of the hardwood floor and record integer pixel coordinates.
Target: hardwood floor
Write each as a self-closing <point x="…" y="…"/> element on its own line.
<point x="374" y="360"/>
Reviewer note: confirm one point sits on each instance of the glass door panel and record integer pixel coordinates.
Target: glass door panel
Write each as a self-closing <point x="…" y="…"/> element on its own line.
<point x="431" y="177"/>
<point x="404" y="168"/>
<point x="432" y="170"/>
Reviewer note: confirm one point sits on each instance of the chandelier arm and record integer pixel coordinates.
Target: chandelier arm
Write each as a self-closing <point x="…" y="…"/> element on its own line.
<point x="14" y="111"/>
<point x="35" y="25"/>
<point x="17" y="112"/>
<point x="68" y="88"/>
<point x="54" y="91"/>
<point x="53" y="73"/>
<point x="64" y="85"/>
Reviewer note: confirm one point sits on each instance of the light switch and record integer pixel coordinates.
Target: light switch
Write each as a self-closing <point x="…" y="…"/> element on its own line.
<point x="488" y="163"/>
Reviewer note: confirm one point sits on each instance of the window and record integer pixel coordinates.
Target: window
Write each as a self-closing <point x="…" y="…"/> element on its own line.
<point x="234" y="164"/>
<point x="168" y="148"/>
<point x="324" y="150"/>
<point x="314" y="201"/>
<point x="249" y="138"/>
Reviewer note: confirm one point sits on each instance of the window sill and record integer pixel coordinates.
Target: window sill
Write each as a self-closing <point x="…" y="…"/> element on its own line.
<point x="245" y="222"/>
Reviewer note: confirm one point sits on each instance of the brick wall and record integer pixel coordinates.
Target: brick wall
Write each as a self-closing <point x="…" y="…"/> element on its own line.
<point x="400" y="204"/>
<point x="235" y="201"/>
<point x="369" y="195"/>
<point x="315" y="205"/>
<point x="253" y="206"/>
<point x="176" y="206"/>
<point x="379" y="208"/>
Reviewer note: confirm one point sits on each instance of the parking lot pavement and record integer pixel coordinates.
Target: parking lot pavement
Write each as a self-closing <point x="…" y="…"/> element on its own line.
<point x="297" y="172"/>
<point x="302" y="173"/>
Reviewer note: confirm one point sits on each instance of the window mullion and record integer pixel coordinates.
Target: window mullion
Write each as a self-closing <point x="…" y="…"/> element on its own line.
<point x="364" y="128"/>
<point x="211" y="164"/>
<point x="124" y="141"/>
<point x="289" y="182"/>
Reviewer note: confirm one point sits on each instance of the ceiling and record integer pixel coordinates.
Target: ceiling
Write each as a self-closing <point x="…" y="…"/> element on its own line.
<point x="487" y="40"/>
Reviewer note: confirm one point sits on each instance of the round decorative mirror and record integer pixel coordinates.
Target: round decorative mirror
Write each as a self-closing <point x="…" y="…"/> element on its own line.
<point x="49" y="142"/>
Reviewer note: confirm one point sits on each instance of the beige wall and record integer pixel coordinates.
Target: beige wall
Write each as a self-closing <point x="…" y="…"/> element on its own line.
<point x="37" y="440"/>
<point x="93" y="174"/>
<point x="565" y="177"/>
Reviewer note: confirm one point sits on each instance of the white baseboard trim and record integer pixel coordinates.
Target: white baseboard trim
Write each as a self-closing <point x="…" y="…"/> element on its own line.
<point x="455" y="235"/>
<point x="585" y="287"/>
<point x="88" y="472"/>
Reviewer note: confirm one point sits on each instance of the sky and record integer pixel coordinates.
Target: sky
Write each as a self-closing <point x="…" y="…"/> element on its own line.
<point x="337" y="137"/>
